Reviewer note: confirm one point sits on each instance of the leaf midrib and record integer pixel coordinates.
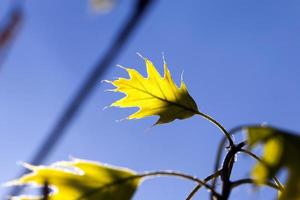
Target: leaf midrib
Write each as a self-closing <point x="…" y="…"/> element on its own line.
<point x="165" y="100"/>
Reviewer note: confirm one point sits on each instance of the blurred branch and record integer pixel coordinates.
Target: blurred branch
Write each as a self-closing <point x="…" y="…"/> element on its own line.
<point x="85" y="90"/>
<point x="45" y="190"/>
<point x="9" y="30"/>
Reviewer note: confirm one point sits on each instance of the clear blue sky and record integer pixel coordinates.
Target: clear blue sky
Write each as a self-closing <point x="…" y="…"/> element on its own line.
<point x="241" y="65"/>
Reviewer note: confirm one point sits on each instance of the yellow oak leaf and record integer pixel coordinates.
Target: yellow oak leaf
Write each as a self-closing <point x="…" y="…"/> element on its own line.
<point x="281" y="151"/>
<point x="154" y="95"/>
<point x="80" y="180"/>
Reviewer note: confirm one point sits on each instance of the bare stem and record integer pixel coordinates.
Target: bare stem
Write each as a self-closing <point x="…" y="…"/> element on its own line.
<point x="224" y="131"/>
<point x="276" y="180"/>
<point x="197" y="188"/>
<point x="180" y="175"/>
<point x="251" y="181"/>
<point x="152" y="174"/>
<point x="222" y="146"/>
<point x="219" y="153"/>
<point x="227" y="169"/>
<point x="218" y="162"/>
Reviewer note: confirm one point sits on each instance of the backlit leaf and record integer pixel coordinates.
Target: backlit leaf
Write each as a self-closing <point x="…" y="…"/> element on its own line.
<point x="80" y="180"/>
<point x="281" y="151"/>
<point x="154" y="95"/>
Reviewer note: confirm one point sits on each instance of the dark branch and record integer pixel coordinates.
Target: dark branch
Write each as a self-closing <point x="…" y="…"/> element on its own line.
<point x="227" y="169"/>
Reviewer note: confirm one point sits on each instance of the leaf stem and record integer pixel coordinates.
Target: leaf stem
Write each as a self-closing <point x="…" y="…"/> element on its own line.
<point x="252" y="181"/>
<point x="196" y="189"/>
<point x="276" y="180"/>
<point x="181" y="175"/>
<point x="152" y="174"/>
<point x="222" y="146"/>
<point x="213" y="121"/>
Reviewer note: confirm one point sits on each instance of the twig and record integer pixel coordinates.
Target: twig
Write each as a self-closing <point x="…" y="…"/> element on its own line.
<point x="276" y="180"/>
<point x="150" y="174"/>
<point x="181" y="175"/>
<point x="227" y="168"/>
<point x="197" y="188"/>
<point x="252" y="181"/>
<point x="217" y="124"/>
<point x="220" y="151"/>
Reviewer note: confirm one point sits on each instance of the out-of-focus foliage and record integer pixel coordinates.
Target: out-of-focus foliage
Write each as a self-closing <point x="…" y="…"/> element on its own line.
<point x="80" y="179"/>
<point x="154" y="95"/>
<point x="102" y="5"/>
<point x="281" y="151"/>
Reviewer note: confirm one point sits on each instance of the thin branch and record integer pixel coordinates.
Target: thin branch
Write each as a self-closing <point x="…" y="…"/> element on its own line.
<point x="220" y="151"/>
<point x="197" y="188"/>
<point x="252" y="181"/>
<point x="276" y="180"/>
<point x="185" y="176"/>
<point x="218" y="161"/>
<point x="222" y="145"/>
<point x="150" y="174"/>
<point x="216" y="123"/>
<point x="223" y="142"/>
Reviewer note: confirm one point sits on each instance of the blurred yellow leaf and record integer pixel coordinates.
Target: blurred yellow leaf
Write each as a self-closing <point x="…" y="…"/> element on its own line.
<point x="103" y="5"/>
<point x="281" y="151"/>
<point x="154" y="95"/>
<point x="80" y="180"/>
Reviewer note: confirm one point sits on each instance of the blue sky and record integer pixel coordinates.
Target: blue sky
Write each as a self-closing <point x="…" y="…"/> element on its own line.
<point x="240" y="61"/>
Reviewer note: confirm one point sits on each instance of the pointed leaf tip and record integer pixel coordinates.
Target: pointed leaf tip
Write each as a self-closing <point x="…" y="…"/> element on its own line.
<point x="155" y="95"/>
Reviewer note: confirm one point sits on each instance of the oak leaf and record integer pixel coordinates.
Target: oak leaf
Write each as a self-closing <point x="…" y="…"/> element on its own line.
<point x="154" y="95"/>
<point x="80" y="180"/>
